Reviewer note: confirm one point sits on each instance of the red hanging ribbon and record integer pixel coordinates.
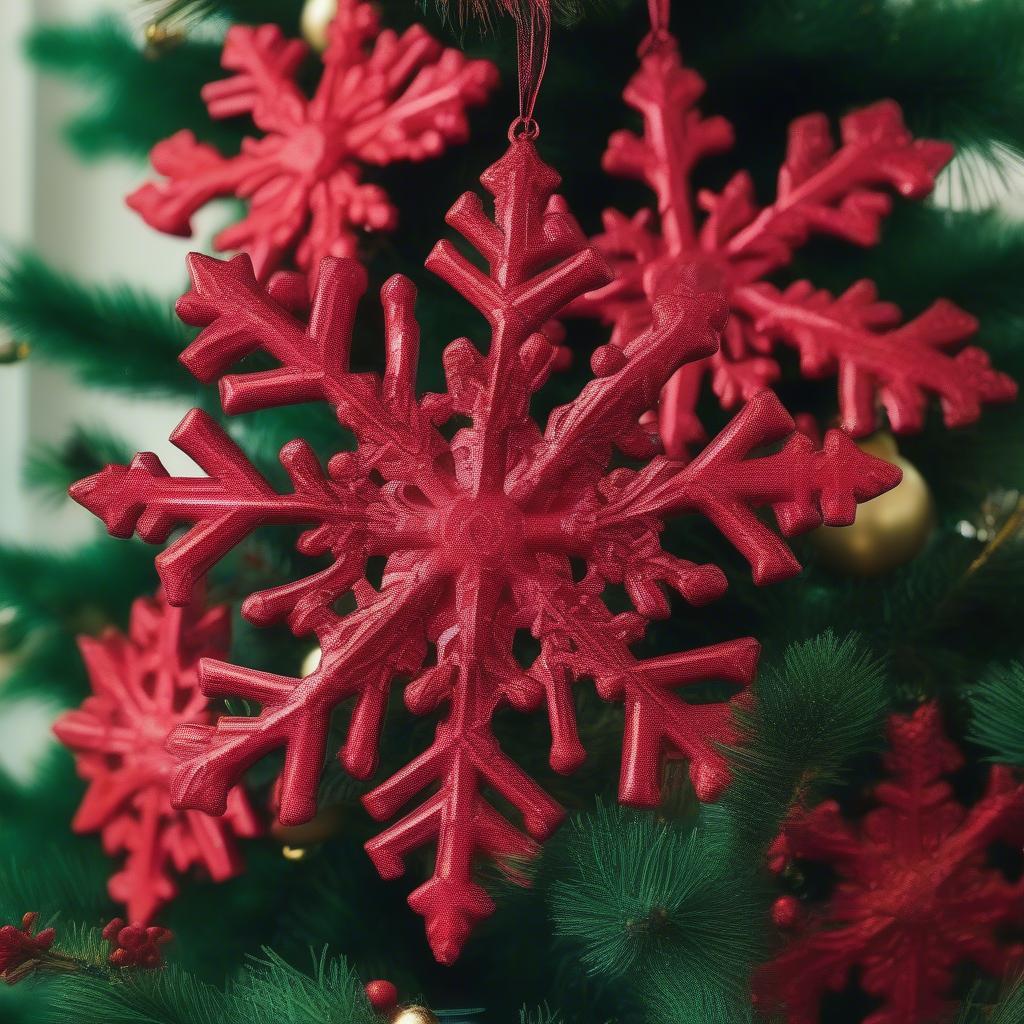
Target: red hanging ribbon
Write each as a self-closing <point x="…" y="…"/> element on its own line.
<point x="659" y="34"/>
<point x="533" y="39"/>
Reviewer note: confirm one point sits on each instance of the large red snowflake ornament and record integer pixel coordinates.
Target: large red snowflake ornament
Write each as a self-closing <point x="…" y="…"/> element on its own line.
<point x="821" y="189"/>
<point x="916" y="894"/>
<point x="144" y="685"/>
<point x="381" y="98"/>
<point x="479" y="533"/>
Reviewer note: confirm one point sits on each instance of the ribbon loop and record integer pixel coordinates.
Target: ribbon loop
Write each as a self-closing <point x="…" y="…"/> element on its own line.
<point x="533" y="39"/>
<point x="659" y="35"/>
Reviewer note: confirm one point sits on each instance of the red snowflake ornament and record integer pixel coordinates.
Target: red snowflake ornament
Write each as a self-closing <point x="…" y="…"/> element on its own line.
<point x="916" y="895"/>
<point x="144" y="685"/>
<point x="478" y="532"/>
<point x="381" y="98"/>
<point x="821" y="190"/>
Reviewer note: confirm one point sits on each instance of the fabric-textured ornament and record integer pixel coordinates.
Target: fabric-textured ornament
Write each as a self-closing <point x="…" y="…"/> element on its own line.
<point x="916" y="895"/>
<point x="822" y="189"/>
<point x="381" y="98"/>
<point x="480" y="534"/>
<point x="144" y="684"/>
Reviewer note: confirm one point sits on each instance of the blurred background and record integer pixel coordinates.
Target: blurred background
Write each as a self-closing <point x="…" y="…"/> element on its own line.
<point x="74" y="215"/>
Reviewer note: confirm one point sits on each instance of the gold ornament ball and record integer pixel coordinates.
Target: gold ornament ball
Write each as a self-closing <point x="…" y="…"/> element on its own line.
<point x="310" y="662"/>
<point x="889" y="530"/>
<point x="314" y="21"/>
<point x="413" y="1015"/>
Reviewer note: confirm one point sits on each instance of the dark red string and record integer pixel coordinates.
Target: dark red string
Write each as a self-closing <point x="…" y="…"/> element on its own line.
<point x="659" y="34"/>
<point x="533" y="39"/>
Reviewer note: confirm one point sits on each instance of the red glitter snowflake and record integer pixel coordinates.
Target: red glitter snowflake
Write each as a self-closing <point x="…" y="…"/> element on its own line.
<point x="381" y="98"/>
<point x="821" y="189"/>
<point x="144" y="685"/>
<point x="916" y="895"/>
<point x="479" y="533"/>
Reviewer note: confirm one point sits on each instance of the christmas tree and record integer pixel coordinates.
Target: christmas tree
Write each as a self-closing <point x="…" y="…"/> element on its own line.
<point x="595" y="597"/>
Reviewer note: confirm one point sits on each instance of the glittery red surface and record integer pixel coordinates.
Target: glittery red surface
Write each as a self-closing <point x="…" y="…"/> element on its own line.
<point x="381" y="98"/>
<point x="878" y="359"/>
<point x="916" y="894"/>
<point x="480" y="533"/>
<point x="144" y="684"/>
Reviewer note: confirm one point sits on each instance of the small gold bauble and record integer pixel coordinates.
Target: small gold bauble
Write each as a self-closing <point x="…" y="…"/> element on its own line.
<point x="310" y="662"/>
<point x="889" y="530"/>
<point x="413" y="1015"/>
<point x="326" y="823"/>
<point x="160" y="38"/>
<point x="293" y="852"/>
<point x="13" y="351"/>
<point x="314" y="21"/>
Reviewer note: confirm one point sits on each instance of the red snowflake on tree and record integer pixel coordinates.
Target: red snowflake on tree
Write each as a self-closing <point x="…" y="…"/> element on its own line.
<point x="821" y="189"/>
<point x="479" y="534"/>
<point x="916" y="894"/>
<point x="144" y="685"/>
<point x="381" y="98"/>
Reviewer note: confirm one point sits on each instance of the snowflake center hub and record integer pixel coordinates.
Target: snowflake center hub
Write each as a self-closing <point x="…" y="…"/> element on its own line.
<point x="314" y="151"/>
<point x="488" y="528"/>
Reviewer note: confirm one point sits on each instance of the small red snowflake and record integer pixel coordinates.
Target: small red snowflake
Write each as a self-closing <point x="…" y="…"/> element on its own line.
<point x="381" y="98"/>
<point x="132" y="945"/>
<point x="144" y="685"/>
<point x="479" y="532"/>
<point x="821" y="189"/>
<point x="20" y="948"/>
<point x="916" y="895"/>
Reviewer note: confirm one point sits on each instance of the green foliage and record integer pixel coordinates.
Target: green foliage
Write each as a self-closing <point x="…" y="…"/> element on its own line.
<point x="663" y="903"/>
<point x="51" y="468"/>
<point x="140" y="98"/>
<point x="112" y="337"/>
<point x="74" y="591"/>
<point x="267" y="991"/>
<point x="821" y="708"/>
<point x="169" y="996"/>
<point x="271" y="991"/>
<point x="1007" y="1009"/>
<point x="997" y="705"/>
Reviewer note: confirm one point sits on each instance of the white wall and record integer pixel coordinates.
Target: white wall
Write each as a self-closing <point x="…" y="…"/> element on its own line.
<point x="74" y="215"/>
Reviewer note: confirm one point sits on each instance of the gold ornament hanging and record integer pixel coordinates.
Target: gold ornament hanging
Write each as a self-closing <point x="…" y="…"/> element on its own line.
<point x="314" y="21"/>
<point x="161" y="37"/>
<point x="889" y="530"/>
<point x="310" y="662"/>
<point x="413" y="1015"/>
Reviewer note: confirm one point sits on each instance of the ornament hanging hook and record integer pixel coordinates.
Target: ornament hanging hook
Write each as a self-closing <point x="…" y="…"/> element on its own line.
<point x="533" y="42"/>
<point x="659" y="35"/>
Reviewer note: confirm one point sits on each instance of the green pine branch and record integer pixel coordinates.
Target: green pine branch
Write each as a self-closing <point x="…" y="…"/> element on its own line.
<point x="51" y="469"/>
<point x="267" y="991"/>
<point x="111" y="337"/>
<point x="824" y="705"/>
<point x="665" y="906"/>
<point x="997" y="705"/>
<point x="139" y="97"/>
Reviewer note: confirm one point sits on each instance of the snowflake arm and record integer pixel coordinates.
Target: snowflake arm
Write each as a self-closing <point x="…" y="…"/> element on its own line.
<point x="822" y="189"/>
<point x="856" y="337"/>
<point x="382" y="98"/>
<point x="143" y="685"/>
<point x="478" y="532"/>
